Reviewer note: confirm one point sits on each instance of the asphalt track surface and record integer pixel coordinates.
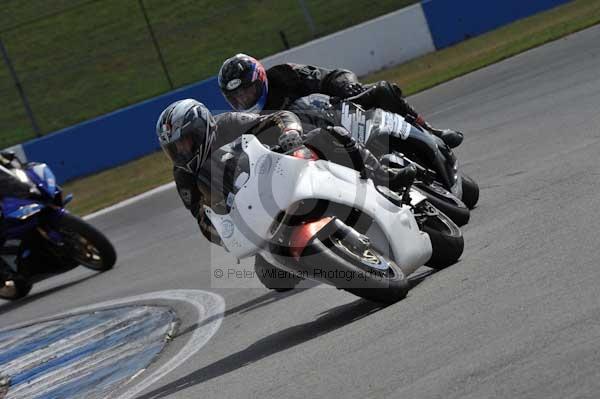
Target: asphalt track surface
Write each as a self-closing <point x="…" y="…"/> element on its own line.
<point x="518" y="316"/>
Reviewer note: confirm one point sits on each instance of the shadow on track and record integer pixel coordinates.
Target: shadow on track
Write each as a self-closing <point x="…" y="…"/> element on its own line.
<point x="273" y="296"/>
<point x="8" y="306"/>
<point x="326" y="322"/>
<point x="258" y="302"/>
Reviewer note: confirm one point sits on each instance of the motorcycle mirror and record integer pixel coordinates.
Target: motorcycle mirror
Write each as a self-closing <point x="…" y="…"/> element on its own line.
<point x="68" y="198"/>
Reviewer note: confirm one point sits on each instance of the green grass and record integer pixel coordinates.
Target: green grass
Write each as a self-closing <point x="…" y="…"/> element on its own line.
<point x="98" y="191"/>
<point x="79" y="59"/>
<point x="109" y="187"/>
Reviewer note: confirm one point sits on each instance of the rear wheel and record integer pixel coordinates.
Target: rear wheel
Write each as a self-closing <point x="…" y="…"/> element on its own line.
<point x="470" y="191"/>
<point x="445" y="201"/>
<point x="86" y="245"/>
<point x="447" y="242"/>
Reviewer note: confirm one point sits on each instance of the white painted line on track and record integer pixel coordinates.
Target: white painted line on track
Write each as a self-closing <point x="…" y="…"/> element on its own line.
<point x="208" y="305"/>
<point x="210" y="308"/>
<point x="131" y="201"/>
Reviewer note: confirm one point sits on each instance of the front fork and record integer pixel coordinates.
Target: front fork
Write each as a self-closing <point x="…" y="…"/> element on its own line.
<point x="299" y="256"/>
<point x="50" y="219"/>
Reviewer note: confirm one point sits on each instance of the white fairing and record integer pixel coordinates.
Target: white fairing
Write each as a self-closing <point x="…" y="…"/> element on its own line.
<point x="278" y="181"/>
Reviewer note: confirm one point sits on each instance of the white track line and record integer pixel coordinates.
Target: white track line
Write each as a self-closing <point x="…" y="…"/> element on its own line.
<point x="130" y="201"/>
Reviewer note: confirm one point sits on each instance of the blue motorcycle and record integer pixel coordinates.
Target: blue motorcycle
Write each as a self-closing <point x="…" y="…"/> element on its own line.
<point x="40" y="238"/>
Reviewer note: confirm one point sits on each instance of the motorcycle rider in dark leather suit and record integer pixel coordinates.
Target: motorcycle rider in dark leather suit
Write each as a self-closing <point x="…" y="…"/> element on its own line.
<point x="247" y="86"/>
<point x="192" y="139"/>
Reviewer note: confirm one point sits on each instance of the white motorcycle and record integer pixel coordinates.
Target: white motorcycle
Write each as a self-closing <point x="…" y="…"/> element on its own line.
<point x="313" y="219"/>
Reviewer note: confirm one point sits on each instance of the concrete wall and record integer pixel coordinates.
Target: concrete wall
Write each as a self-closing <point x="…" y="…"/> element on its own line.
<point x="383" y="42"/>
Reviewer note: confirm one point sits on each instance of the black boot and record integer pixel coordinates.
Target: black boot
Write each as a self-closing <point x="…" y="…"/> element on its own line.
<point x="395" y="179"/>
<point x="452" y="138"/>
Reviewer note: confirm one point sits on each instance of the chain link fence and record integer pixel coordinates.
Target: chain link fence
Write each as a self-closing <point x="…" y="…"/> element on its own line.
<point x="74" y="60"/>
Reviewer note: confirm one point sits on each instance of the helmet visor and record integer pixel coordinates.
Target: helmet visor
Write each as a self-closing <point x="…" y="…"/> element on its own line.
<point x="183" y="152"/>
<point x="244" y="98"/>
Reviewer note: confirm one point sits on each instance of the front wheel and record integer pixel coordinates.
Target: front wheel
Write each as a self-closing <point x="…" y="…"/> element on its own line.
<point x="85" y="244"/>
<point x="447" y="241"/>
<point x="358" y="268"/>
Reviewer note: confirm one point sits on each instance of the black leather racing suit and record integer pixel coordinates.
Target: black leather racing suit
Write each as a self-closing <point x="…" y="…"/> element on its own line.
<point x="288" y="82"/>
<point x="9" y="185"/>
<point x="196" y="191"/>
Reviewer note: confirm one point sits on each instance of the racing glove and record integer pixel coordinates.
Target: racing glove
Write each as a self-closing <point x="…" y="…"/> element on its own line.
<point x="290" y="140"/>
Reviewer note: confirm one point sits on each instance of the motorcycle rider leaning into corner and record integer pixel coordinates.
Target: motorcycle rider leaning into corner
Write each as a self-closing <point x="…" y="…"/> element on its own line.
<point x="10" y="186"/>
<point x="192" y="139"/>
<point x="248" y="87"/>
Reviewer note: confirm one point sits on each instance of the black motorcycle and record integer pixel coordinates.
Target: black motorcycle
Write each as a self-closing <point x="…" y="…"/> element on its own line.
<point x="439" y="178"/>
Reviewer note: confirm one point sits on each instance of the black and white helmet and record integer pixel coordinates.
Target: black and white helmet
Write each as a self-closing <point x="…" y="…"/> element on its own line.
<point x="186" y="131"/>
